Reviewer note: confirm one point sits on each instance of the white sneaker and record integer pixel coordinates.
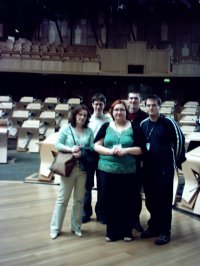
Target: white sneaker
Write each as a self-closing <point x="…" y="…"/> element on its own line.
<point x="77" y="233"/>
<point x="54" y="235"/>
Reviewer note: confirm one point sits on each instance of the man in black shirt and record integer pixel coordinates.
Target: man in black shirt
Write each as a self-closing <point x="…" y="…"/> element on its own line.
<point x="136" y="115"/>
<point x="164" y="150"/>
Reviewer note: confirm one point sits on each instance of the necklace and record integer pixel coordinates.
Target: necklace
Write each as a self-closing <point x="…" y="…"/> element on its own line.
<point x="119" y="132"/>
<point x="148" y="135"/>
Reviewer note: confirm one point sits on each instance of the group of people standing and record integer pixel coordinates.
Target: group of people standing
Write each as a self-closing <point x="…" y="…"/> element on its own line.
<point x="136" y="149"/>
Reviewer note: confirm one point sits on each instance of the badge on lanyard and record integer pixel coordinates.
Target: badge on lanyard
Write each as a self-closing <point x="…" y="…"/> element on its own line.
<point x="117" y="146"/>
<point x="148" y="146"/>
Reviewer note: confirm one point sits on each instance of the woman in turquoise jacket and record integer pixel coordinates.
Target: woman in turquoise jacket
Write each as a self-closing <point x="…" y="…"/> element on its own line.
<point x="78" y="126"/>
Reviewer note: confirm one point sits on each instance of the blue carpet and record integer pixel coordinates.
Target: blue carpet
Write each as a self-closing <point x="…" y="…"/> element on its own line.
<point x="19" y="166"/>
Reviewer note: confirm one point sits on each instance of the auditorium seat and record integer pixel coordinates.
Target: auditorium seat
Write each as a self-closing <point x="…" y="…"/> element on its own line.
<point x="189" y="111"/>
<point x="169" y="111"/>
<point x="72" y="53"/>
<point x="50" y="103"/>
<point x="62" y="114"/>
<point x="168" y="104"/>
<point x="192" y="104"/>
<point x="34" y="109"/>
<point x="26" y="49"/>
<point x="5" y="98"/>
<point x="6" y="109"/>
<point x="47" y="123"/>
<point x="187" y="129"/>
<point x="7" y="49"/>
<point x="73" y="102"/>
<point x="24" y="101"/>
<point x="28" y="136"/>
<point x="189" y="120"/>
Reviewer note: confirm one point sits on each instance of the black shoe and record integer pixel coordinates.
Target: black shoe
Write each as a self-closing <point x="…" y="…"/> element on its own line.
<point x="137" y="226"/>
<point x="162" y="240"/>
<point x="148" y="233"/>
<point x="85" y="219"/>
<point x="101" y="220"/>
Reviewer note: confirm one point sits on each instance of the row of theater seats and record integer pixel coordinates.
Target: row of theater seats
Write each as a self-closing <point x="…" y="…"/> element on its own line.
<point x="28" y="133"/>
<point x="28" y="50"/>
<point x="188" y="118"/>
<point x="30" y="122"/>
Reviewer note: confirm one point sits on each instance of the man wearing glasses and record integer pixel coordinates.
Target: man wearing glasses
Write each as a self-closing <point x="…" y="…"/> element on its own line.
<point x="164" y="151"/>
<point x="97" y="119"/>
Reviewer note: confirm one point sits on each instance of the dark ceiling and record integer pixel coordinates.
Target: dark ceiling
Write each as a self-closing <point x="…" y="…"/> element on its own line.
<point x="27" y="14"/>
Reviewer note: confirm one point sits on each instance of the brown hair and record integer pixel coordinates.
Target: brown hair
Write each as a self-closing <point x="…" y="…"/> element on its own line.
<point x="153" y="97"/>
<point x="78" y="109"/>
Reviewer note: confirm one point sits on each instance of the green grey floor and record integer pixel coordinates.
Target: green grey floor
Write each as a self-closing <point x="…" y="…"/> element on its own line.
<point x="20" y="165"/>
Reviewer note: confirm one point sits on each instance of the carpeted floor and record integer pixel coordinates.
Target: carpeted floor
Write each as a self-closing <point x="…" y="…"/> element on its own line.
<point x="20" y="165"/>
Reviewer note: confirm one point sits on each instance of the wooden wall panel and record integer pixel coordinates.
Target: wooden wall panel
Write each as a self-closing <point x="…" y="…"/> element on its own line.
<point x="72" y="66"/>
<point x="158" y="61"/>
<point x="30" y="65"/>
<point x="186" y="69"/>
<point x="113" y="60"/>
<point x="10" y="64"/>
<point x="91" y="67"/>
<point x="136" y="53"/>
<point x="52" y="65"/>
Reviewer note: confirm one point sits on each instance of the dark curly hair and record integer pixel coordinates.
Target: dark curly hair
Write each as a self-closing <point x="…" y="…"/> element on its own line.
<point x="75" y="111"/>
<point x="113" y="106"/>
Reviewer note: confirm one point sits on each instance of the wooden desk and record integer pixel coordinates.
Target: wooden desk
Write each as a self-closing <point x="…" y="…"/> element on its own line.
<point x="194" y="136"/>
<point x="191" y="171"/>
<point x="3" y="140"/>
<point x="46" y="157"/>
<point x="189" y="120"/>
<point x="28" y="136"/>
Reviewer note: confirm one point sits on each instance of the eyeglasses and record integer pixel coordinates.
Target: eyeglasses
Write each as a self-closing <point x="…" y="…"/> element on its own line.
<point x="119" y="110"/>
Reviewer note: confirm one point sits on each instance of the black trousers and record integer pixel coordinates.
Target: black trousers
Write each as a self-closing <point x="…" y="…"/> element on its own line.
<point x="158" y="189"/>
<point x="138" y="198"/>
<point x="87" y="206"/>
<point x="118" y="198"/>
